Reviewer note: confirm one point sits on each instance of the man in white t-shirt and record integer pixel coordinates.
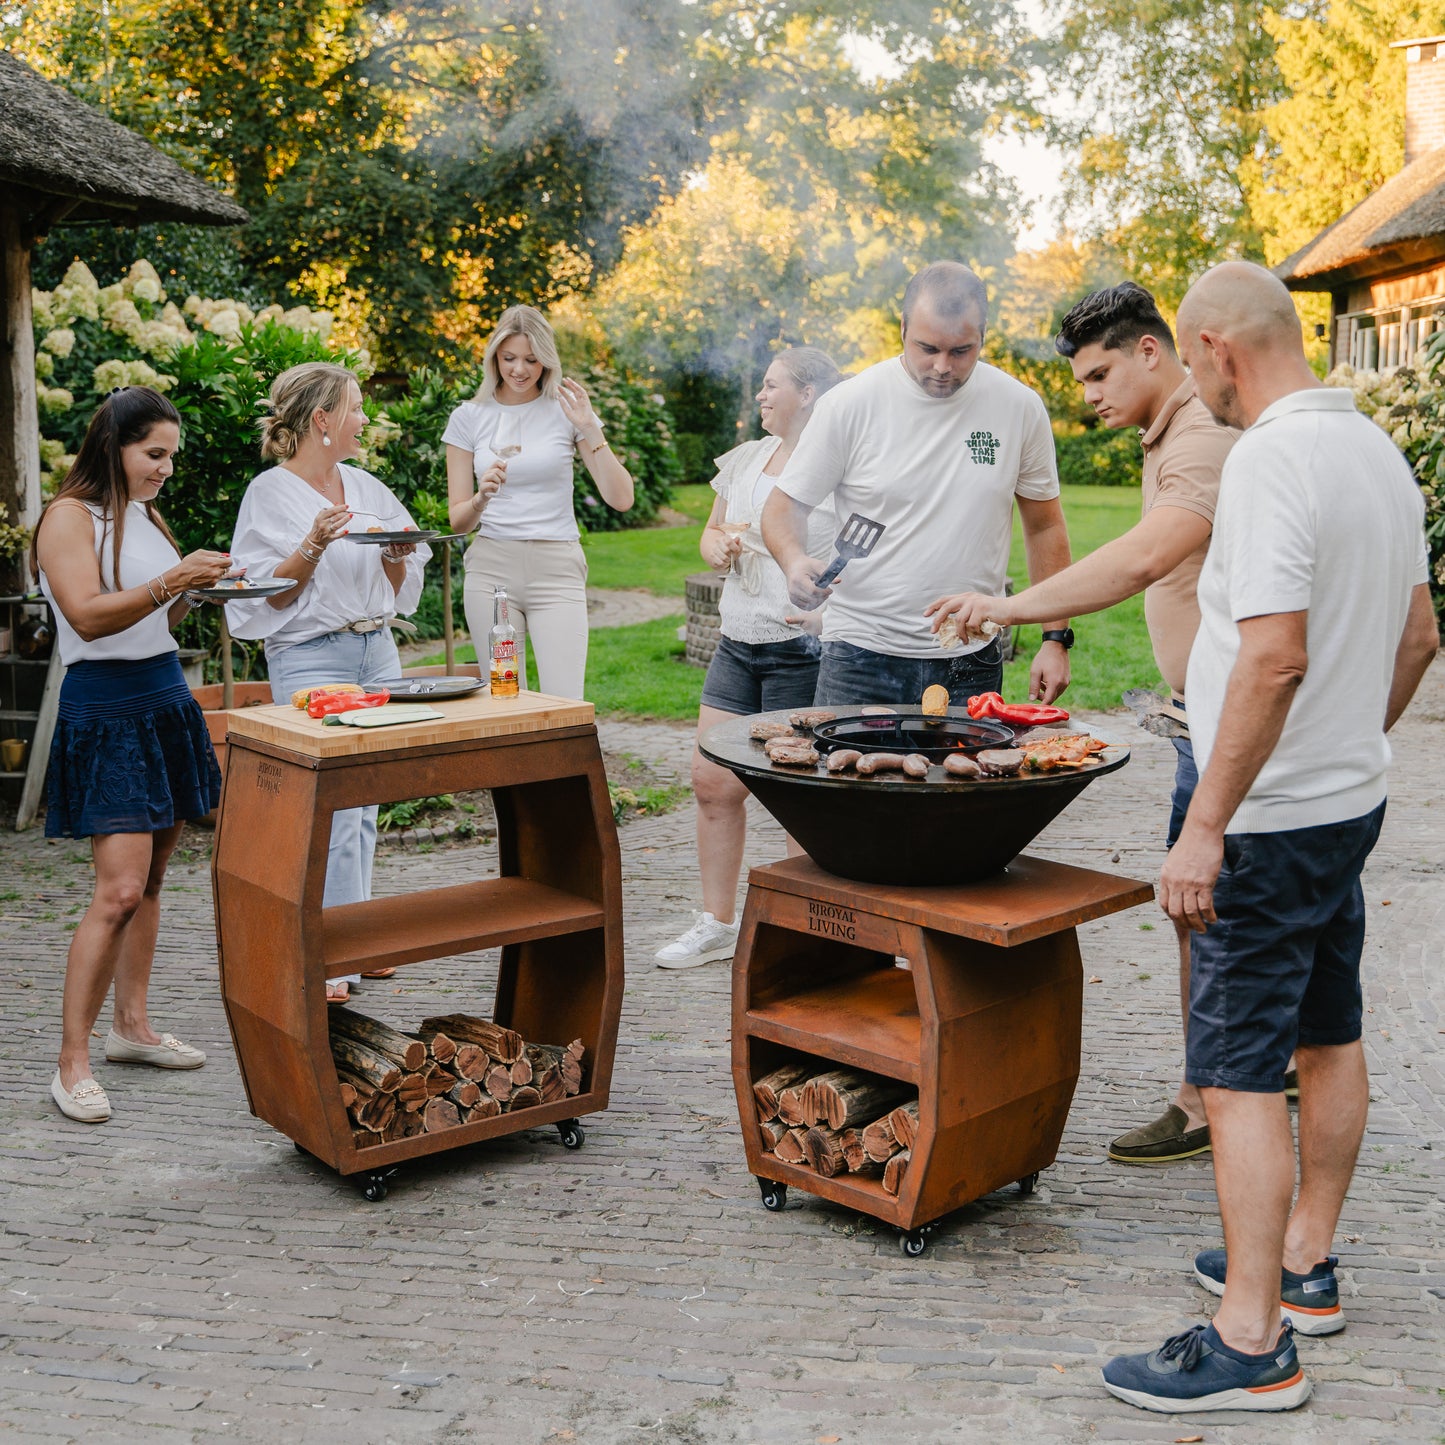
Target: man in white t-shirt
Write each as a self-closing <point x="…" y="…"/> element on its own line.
<point x="1316" y="626"/>
<point x="939" y="447"/>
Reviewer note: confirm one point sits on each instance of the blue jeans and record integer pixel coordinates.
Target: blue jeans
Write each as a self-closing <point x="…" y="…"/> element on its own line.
<point x="852" y="675"/>
<point x="368" y="659"/>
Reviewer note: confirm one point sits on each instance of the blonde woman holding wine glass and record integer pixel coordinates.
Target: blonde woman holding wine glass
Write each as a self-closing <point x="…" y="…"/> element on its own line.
<point x="509" y="476"/>
<point x="767" y="654"/>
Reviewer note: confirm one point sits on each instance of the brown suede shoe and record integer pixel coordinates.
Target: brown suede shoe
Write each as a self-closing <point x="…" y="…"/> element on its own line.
<point x="1166" y="1140"/>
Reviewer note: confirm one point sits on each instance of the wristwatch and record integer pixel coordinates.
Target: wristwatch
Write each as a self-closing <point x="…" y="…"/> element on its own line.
<point x="1064" y="636"/>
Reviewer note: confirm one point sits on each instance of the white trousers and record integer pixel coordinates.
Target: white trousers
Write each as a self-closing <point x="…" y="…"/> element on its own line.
<point x="546" y="587"/>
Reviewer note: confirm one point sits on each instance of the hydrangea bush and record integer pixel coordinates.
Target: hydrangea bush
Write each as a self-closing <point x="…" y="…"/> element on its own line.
<point x="1409" y="403"/>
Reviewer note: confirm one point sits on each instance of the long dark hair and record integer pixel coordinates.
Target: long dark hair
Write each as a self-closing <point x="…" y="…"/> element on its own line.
<point x="97" y="476"/>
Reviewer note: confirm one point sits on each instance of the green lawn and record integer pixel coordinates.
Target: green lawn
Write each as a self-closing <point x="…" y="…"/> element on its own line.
<point x="639" y="672"/>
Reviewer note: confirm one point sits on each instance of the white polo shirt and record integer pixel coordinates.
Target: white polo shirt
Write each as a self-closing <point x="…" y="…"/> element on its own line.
<point x="941" y="474"/>
<point x="1318" y="512"/>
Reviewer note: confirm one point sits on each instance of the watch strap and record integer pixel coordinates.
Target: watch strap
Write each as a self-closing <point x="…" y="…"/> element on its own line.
<point x="1064" y="636"/>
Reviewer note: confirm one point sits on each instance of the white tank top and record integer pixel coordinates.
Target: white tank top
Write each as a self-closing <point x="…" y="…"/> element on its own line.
<point x="144" y="554"/>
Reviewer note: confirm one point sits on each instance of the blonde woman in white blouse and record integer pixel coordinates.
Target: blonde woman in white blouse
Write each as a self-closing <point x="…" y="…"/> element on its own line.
<point x="767" y="655"/>
<point x="334" y="626"/>
<point x="509" y="475"/>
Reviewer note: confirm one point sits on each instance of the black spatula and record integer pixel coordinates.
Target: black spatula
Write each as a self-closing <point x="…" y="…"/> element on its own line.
<point x="858" y="538"/>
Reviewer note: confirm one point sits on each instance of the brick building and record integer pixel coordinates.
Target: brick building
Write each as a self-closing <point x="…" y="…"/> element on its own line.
<point x="1383" y="262"/>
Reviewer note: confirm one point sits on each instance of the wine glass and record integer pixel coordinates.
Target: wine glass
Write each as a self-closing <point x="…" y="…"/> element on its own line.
<point x="507" y="434"/>
<point x="734" y="529"/>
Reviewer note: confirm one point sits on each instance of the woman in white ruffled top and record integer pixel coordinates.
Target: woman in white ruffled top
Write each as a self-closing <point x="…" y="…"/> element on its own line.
<point x="767" y="654"/>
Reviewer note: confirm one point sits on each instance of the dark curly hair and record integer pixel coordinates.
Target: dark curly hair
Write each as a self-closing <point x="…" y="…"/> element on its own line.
<point x="1116" y="317"/>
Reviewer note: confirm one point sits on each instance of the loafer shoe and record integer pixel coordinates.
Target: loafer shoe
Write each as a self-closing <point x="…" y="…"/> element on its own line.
<point x="86" y="1102"/>
<point x="1166" y="1140"/>
<point x="1196" y="1370"/>
<point x="1310" y="1302"/>
<point x="170" y="1053"/>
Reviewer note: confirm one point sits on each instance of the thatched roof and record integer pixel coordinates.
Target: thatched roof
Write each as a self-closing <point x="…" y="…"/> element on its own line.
<point x="1397" y="227"/>
<point x="55" y="150"/>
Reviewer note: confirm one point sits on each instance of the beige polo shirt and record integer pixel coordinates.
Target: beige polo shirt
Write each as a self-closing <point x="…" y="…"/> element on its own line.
<point x="1184" y="452"/>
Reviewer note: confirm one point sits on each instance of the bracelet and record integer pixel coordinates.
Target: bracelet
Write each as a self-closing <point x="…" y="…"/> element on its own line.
<point x="166" y="588"/>
<point x="600" y="447"/>
<point x="312" y="557"/>
<point x="151" y="588"/>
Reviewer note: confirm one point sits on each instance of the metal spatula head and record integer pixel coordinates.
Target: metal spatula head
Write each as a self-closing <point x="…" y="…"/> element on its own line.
<point x="858" y="538"/>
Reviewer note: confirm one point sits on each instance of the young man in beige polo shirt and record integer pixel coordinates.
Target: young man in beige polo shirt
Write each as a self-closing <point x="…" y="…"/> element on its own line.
<point x="1123" y="355"/>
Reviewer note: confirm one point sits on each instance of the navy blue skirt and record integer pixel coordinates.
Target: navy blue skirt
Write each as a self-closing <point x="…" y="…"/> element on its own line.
<point x="131" y="752"/>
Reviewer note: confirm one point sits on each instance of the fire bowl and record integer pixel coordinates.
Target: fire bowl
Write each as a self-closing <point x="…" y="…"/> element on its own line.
<point x="892" y="829"/>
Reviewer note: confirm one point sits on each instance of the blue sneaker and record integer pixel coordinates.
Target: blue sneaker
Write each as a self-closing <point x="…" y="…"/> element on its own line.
<point x="1310" y="1302"/>
<point x="1198" y="1371"/>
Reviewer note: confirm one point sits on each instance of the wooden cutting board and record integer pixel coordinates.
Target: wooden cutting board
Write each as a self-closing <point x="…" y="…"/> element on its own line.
<point x="465" y="718"/>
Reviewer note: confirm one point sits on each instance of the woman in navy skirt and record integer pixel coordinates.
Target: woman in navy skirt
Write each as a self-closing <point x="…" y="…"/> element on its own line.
<point x="131" y="760"/>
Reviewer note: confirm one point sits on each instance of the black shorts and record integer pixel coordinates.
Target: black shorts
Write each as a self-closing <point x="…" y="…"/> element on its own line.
<point x="749" y="677"/>
<point x="1280" y="966"/>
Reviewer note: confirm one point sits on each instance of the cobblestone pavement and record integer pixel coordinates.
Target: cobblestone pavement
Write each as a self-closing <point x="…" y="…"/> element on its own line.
<point x="183" y="1274"/>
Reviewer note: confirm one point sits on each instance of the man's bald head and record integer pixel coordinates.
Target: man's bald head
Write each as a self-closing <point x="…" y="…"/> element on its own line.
<point x="1244" y="303"/>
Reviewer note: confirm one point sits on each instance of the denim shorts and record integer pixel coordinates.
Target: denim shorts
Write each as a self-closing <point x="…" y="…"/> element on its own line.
<point x="749" y="677"/>
<point x="1186" y="779"/>
<point x="854" y="676"/>
<point x="1280" y="966"/>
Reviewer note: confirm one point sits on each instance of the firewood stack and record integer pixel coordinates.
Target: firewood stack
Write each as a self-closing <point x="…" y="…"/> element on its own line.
<point x="838" y="1121"/>
<point x="454" y="1070"/>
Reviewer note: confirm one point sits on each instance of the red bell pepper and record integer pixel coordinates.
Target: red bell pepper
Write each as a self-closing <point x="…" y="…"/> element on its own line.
<point x="1024" y="714"/>
<point x="330" y="703"/>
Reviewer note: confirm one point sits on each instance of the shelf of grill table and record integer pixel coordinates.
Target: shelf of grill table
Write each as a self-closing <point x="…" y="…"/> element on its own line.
<point x="869" y="1021"/>
<point x="436" y="922"/>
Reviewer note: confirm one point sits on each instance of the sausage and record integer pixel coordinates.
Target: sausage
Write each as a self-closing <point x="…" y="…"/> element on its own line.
<point x="960" y="765"/>
<point x="842" y="760"/>
<point x="799" y="755"/>
<point x="1000" y="762"/>
<point x="871" y="763"/>
<point x="761" y="732"/>
<point x="915" y="765"/>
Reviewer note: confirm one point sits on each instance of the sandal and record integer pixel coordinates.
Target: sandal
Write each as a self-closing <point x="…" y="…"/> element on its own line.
<point x="380" y="973"/>
<point x="338" y="993"/>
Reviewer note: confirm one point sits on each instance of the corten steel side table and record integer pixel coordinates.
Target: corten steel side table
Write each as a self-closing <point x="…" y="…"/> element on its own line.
<point x="555" y="910"/>
<point x="985" y="1021"/>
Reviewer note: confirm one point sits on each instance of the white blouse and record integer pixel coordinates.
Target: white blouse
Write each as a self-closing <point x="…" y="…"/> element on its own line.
<point x="347" y="585"/>
<point x="144" y="554"/>
<point x="755" y="598"/>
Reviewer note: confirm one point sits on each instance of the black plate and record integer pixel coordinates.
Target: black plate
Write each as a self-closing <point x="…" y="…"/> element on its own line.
<point x="387" y="539"/>
<point x="229" y="591"/>
<point x="429" y="689"/>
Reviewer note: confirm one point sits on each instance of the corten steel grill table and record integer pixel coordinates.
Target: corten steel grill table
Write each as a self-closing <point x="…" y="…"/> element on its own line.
<point x="555" y="910"/>
<point x="985" y="1021"/>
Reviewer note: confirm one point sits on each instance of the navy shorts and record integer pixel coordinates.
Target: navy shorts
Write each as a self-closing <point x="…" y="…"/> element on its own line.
<point x="1186" y="779"/>
<point x="853" y="675"/>
<point x="1280" y="966"/>
<point x="749" y="677"/>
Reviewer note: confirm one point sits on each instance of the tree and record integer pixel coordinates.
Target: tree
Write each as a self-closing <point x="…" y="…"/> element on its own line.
<point x="1339" y="132"/>
<point x="1168" y="101"/>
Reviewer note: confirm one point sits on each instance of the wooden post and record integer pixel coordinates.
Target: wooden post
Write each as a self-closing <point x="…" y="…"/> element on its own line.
<point x="449" y="642"/>
<point x="228" y="666"/>
<point x="19" y="419"/>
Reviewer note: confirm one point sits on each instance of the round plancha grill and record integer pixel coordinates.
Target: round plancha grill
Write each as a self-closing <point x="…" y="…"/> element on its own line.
<point x="892" y="829"/>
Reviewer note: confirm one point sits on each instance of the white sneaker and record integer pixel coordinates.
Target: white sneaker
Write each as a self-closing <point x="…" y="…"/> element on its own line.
<point x="706" y="940"/>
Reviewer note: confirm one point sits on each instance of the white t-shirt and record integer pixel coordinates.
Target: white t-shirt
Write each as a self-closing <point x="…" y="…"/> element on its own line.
<point x="755" y="598"/>
<point x="144" y="554"/>
<point x="347" y="585"/>
<point x="1318" y="512"/>
<point x="534" y="504"/>
<point x="941" y="474"/>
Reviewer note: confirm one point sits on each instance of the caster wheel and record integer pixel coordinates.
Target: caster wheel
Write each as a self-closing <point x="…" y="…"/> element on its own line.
<point x="914" y="1244"/>
<point x="300" y="1150"/>
<point x="373" y="1188"/>
<point x="573" y="1134"/>
<point x="1026" y="1184"/>
<point x="775" y="1196"/>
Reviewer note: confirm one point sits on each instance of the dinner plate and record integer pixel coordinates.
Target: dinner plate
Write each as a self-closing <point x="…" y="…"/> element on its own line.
<point x="243" y="589"/>
<point x="402" y="688"/>
<point x="387" y="539"/>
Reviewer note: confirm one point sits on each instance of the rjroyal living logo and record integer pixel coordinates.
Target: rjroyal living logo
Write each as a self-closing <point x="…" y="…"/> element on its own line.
<point x="984" y="446"/>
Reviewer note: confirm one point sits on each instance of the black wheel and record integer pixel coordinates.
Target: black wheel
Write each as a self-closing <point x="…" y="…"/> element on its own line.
<point x="373" y="1188"/>
<point x="775" y="1196"/>
<point x="1026" y="1184"/>
<point x="297" y="1147"/>
<point x="914" y="1243"/>
<point x="573" y="1134"/>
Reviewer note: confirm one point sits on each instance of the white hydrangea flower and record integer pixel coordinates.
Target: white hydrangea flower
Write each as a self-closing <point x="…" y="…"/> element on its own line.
<point x="158" y="339"/>
<point x="113" y="373"/>
<point x="224" y="322"/>
<point x="41" y="303"/>
<point x="54" y="398"/>
<point x="52" y="452"/>
<point x="59" y="342"/>
<point x="273" y="312"/>
<point x="143" y="274"/>
<point x="44" y="365"/>
<point x="146" y="290"/>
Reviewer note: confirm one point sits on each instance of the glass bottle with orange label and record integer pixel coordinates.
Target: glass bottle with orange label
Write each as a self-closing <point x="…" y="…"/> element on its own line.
<point x="503" y="641"/>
